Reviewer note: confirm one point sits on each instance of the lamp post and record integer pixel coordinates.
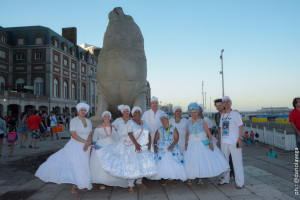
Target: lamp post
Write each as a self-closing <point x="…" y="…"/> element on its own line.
<point x="222" y="72"/>
<point x="202" y="93"/>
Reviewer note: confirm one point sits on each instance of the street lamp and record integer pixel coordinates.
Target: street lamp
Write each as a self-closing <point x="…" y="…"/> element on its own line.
<point x="222" y="72"/>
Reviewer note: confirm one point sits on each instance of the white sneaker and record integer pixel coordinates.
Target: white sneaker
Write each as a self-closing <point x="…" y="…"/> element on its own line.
<point x="200" y="181"/>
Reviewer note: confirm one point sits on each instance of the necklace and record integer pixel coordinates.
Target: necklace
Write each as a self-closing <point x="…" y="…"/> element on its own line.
<point x="168" y="133"/>
<point x="108" y="135"/>
<point x="195" y="130"/>
<point x="129" y="143"/>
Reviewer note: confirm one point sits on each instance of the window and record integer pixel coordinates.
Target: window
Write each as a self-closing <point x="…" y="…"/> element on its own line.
<point x="20" y="84"/>
<point x="56" y="43"/>
<point x="73" y="66"/>
<point x="55" y="88"/>
<point x="65" y="90"/>
<point x="73" y="91"/>
<point x="83" y="58"/>
<point x="3" y="38"/>
<point x="2" y="54"/>
<point x="20" y="56"/>
<point x="65" y="48"/>
<point x="2" y="83"/>
<point x="83" y="93"/>
<point x="38" y="56"/>
<point x="65" y="62"/>
<point x="20" y="41"/>
<point x="39" y="86"/>
<point x="56" y="58"/>
<point x="73" y="52"/>
<point x="38" y="41"/>
<point x="82" y="69"/>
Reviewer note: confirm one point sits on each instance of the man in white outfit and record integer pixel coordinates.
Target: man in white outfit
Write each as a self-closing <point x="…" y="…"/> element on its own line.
<point x="152" y="117"/>
<point x="231" y="129"/>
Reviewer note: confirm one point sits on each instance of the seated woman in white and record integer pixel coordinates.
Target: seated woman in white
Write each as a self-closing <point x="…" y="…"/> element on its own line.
<point x="168" y="156"/>
<point x="132" y="157"/>
<point x="104" y="135"/>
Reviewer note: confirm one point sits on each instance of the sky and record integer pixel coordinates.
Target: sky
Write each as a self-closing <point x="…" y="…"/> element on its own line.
<point x="183" y="42"/>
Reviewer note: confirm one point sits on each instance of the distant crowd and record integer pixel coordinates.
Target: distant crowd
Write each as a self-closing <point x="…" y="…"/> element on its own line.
<point x="39" y="125"/>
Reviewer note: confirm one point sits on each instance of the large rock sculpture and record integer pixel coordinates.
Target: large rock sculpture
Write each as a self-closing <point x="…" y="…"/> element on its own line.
<point x="122" y="67"/>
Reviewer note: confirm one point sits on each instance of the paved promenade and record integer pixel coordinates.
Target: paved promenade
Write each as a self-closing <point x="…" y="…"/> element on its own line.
<point x="265" y="178"/>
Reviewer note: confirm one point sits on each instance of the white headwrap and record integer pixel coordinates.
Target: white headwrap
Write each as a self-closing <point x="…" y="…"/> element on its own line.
<point x="176" y="108"/>
<point x="164" y="115"/>
<point x="154" y="99"/>
<point x="106" y="112"/>
<point x="135" y="108"/>
<point x="226" y="97"/>
<point x="83" y="105"/>
<point x="123" y="107"/>
<point x="202" y="107"/>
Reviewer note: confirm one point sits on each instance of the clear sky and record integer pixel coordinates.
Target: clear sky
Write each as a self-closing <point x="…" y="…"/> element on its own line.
<point x="183" y="42"/>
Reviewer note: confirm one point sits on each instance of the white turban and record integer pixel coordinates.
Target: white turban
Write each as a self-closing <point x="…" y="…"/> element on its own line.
<point x="83" y="105"/>
<point x="164" y="115"/>
<point x="176" y="108"/>
<point x="106" y="112"/>
<point x="135" y="109"/>
<point x="226" y="97"/>
<point x="202" y="107"/>
<point x="154" y="99"/>
<point x="123" y="107"/>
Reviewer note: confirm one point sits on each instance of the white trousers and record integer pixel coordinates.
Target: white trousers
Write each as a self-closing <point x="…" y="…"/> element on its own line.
<point x="237" y="161"/>
<point x="131" y="182"/>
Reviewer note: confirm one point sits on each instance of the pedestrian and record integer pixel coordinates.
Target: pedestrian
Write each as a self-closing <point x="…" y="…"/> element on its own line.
<point x="120" y="122"/>
<point x="152" y="117"/>
<point x="181" y="125"/>
<point x="34" y="122"/>
<point x="132" y="158"/>
<point x="104" y="134"/>
<point x="11" y="138"/>
<point x="294" y="119"/>
<point x="71" y="163"/>
<point x="271" y="153"/>
<point x="231" y="130"/>
<point x="53" y="125"/>
<point x="202" y="158"/>
<point x="256" y="137"/>
<point x="168" y="157"/>
<point x="208" y="122"/>
<point x="12" y="121"/>
<point x="22" y="129"/>
<point x="251" y="138"/>
<point x="2" y="131"/>
<point x="44" y="121"/>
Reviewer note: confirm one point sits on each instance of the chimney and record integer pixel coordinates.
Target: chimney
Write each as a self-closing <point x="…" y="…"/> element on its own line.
<point x="70" y="34"/>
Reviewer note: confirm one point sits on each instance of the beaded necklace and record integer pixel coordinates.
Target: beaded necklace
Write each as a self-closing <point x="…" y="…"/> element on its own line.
<point x="108" y="135"/>
<point x="168" y="132"/>
<point x="195" y="130"/>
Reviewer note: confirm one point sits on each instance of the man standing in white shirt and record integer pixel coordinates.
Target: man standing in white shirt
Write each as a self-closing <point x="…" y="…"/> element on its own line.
<point x="231" y="130"/>
<point x="152" y="117"/>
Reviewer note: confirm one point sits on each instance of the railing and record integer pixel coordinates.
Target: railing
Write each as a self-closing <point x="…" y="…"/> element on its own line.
<point x="281" y="140"/>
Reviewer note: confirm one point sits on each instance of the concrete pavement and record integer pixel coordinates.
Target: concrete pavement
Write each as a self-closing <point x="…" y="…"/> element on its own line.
<point x="265" y="178"/>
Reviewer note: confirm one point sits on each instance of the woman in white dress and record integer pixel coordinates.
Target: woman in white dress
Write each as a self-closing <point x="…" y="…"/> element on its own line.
<point x="202" y="158"/>
<point x="132" y="157"/>
<point x="120" y="122"/>
<point x="103" y="135"/>
<point x="168" y="156"/>
<point x="181" y="126"/>
<point x="71" y="163"/>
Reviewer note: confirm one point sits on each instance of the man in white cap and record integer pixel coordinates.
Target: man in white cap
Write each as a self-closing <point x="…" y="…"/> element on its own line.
<point x="152" y="117"/>
<point x="231" y="130"/>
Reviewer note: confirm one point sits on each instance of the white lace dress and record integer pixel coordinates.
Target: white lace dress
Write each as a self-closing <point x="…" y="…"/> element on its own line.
<point x="71" y="163"/>
<point x="100" y="140"/>
<point x="199" y="160"/>
<point x="121" y="159"/>
<point x="181" y="128"/>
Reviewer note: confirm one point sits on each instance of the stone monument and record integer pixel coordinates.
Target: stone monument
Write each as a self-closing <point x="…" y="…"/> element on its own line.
<point x="122" y="66"/>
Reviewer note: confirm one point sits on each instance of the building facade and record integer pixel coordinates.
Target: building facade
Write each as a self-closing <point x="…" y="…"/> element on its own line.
<point x="42" y="70"/>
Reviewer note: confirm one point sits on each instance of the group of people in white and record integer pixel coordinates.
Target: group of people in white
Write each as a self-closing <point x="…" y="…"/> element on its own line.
<point x="148" y="145"/>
